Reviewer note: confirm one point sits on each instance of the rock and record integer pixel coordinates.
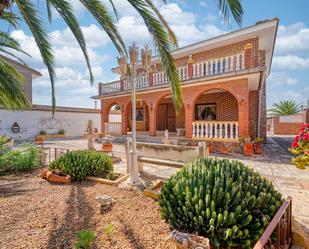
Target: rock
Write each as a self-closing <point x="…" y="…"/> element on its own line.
<point x="106" y="202"/>
<point x="189" y="241"/>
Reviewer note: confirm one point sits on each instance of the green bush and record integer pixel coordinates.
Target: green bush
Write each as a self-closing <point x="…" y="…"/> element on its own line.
<point x="84" y="239"/>
<point x="82" y="163"/>
<point x="26" y="157"/>
<point x="223" y="200"/>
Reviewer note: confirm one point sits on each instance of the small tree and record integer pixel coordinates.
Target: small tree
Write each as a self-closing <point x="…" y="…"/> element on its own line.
<point x="285" y="107"/>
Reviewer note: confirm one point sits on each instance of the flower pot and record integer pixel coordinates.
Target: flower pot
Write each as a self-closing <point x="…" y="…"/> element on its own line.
<point x="248" y="149"/>
<point x="107" y="147"/>
<point x="258" y="148"/>
<point x="39" y="140"/>
<point x="51" y="177"/>
<point x="211" y="149"/>
<point x="224" y="150"/>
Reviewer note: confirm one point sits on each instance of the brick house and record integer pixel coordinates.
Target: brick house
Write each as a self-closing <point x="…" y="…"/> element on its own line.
<point x="224" y="85"/>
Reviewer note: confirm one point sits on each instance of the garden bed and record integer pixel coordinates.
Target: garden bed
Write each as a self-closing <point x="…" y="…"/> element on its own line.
<point x="43" y="215"/>
<point x="103" y="178"/>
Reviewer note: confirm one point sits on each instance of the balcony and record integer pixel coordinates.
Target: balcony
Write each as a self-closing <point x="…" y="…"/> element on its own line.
<point x="200" y="70"/>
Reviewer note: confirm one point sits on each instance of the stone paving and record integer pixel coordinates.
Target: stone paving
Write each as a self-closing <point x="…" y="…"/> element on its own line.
<point x="274" y="165"/>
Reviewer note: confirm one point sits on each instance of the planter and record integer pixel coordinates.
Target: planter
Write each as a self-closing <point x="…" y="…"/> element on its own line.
<point x="224" y="150"/>
<point x="51" y="177"/>
<point x="248" y="149"/>
<point x="39" y="140"/>
<point x="107" y="147"/>
<point x="107" y="181"/>
<point x="211" y="149"/>
<point x="258" y="148"/>
<point x="44" y="137"/>
<point x="189" y="241"/>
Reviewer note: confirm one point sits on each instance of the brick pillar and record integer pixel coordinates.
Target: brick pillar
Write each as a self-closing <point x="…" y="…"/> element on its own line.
<point x="243" y="116"/>
<point x="190" y="67"/>
<point x="150" y="79"/>
<point x="248" y="56"/>
<point x="188" y="120"/>
<point x="152" y="122"/>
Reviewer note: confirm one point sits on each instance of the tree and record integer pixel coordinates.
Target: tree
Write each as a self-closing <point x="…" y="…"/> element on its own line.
<point x="163" y="37"/>
<point x="285" y="107"/>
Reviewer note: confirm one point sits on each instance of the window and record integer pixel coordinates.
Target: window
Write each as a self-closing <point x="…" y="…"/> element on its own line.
<point x="206" y="112"/>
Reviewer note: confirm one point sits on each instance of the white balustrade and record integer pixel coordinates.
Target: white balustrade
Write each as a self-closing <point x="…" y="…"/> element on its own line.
<point x="215" y="130"/>
<point x="112" y="128"/>
<point x="110" y="87"/>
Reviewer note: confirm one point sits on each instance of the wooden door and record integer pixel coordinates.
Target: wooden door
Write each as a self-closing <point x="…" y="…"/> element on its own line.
<point x="171" y="118"/>
<point x="162" y="117"/>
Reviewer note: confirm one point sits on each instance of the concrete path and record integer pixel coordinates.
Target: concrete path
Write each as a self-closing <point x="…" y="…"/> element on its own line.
<point x="275" y="165"/>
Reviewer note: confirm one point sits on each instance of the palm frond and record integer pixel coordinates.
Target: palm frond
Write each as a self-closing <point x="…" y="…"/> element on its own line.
<point x="171" y="33"/>
<point x="12" y="55"/>
<point x="164" y="47"/>
<point x="12" y="95"/>
<point x="285" y="107"/>
<point x="228" y="7"/>
<point x="40" y="35"/>
<point x="100" y="12"/>
<point x="65" y="10"/>
<point x="114" y="9"/>
<point x="10" y="18"/>
<point x="9" y="42"/>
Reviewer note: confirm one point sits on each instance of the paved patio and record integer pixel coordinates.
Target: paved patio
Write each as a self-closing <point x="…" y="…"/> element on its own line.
<point x="274" y="165"/>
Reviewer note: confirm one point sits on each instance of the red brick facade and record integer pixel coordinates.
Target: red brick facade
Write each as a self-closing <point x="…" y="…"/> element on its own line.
<point x="281" y="128"/>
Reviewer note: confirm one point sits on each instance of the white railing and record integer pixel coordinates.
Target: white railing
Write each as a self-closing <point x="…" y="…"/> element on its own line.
<point x="205" y="130"/>
<point x="112" y="128"/>
<point x="159" y="78"/>
<point x="219" y="65"/>
<point x="110" y="87"/>
<point x="183" y="72"/>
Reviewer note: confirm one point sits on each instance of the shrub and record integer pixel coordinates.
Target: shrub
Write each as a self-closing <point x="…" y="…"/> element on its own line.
<point x="26" y="157"/>
<point x="82" y="163"/>
<point x="85" y="239"/>
<point x="300" y="147"/>
<point x="43" y="133"/>
<point x="61" y="132"/>
<point x="223" y="200"/>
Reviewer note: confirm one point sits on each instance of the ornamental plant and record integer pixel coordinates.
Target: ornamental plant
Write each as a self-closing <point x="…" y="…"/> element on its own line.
<point x="81" y="163"/>
<point x="300" y="147"/>
<point x="223" y="200"/>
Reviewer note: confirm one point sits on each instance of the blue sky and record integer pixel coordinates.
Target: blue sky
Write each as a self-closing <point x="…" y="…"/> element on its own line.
<point x="192" y="21"/>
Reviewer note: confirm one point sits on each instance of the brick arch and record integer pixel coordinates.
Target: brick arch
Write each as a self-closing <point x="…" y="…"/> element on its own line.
<point x="127" y="109"/>
<point x="108" y="108"/>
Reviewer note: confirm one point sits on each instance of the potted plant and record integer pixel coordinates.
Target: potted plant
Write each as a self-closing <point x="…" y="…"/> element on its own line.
<point x="248" y="147"/>
<point x="211" y="147"/>
<point x="257" y="142"/>
<point x="61" y="132"/>
<point x="107" y="146"/>
<point x="224" y="149"/>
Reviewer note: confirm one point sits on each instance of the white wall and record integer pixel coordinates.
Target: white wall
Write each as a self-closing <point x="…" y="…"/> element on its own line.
<point x="33" y="121"/>
<point x="113" y="117"/>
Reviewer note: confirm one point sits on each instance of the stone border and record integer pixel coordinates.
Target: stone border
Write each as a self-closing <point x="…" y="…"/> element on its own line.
<point x="153" y="191"/>
<point x="107" y="181"/>
<point x="300" y="238"/>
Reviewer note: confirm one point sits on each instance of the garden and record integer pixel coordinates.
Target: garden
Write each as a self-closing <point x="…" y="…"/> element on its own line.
<point x="207" y="203"/>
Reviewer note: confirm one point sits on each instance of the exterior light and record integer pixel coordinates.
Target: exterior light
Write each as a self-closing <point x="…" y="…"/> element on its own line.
<point x="133" y="52"/>
<point x="146" y="57"/>
<point x="122" y="63"/>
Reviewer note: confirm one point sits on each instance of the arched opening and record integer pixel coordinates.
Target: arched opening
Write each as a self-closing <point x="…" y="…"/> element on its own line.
<point x="142" y="116"/>
<point x="215" y="116"/>
<point x="166" y="116"/>
<point x="113" y="119"/>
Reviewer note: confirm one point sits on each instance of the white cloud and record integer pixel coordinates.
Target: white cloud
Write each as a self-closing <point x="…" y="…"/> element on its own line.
<point x="292" y="38"/>
<point x="290" y="62"/>
<point x="280" y="79"/>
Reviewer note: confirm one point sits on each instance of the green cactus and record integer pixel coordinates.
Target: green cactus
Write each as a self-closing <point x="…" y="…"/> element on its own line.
<point x="223" y="200"/>
<point x="82" y="163"/>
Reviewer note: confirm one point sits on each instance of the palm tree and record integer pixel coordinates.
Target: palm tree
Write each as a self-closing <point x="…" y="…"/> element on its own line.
<point x="164" y="38"/>
<point x="12" y="95"/>
<point x="285" y="107"/>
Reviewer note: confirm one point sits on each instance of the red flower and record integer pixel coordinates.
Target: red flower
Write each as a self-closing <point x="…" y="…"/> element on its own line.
<point x="296" y="138"/>
<point x="295" y="144"/>
<point x="307" y="152"/>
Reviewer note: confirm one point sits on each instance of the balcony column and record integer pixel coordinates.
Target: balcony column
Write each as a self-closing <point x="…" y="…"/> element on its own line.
<point x="188" y="109"/>
<point x="121" y="84"/>
<point x="150" y="78"/>
<point x="248" y="55"/>
<point x="124" y="120"/>
<point x="190" y="67"/>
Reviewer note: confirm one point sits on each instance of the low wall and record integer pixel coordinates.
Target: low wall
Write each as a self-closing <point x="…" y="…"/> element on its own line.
<point x="167" y="152"/>
<point x="31" y="122"/>
<point x="288" y="125"/>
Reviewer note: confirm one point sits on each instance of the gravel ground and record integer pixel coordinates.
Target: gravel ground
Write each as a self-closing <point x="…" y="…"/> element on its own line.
<point x="37" y="214"/>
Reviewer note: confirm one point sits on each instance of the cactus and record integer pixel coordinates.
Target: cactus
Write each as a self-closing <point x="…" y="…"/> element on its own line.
<point x="223" y="200"/>
<point x="82" y="163"/>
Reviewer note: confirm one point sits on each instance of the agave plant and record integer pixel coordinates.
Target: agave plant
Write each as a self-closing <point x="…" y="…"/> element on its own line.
<point x="164" y="38"/>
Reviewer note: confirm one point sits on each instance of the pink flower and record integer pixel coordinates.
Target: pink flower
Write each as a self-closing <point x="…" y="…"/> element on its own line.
<point x="296" y="138"/>
<point x="307" y="152"/>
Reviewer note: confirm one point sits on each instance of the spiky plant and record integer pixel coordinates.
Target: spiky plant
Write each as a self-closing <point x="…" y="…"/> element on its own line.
<point x="285" y="107"/>
<point x="223" y="200"/>
<point x="164" y="38"/>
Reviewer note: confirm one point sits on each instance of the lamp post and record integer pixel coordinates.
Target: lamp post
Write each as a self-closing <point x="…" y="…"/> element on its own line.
<point x="134" y="178"/>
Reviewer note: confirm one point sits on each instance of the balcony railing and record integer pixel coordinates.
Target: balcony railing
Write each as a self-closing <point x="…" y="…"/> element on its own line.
<point x="216" y="131"/>
<point x="200" y="69"/>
